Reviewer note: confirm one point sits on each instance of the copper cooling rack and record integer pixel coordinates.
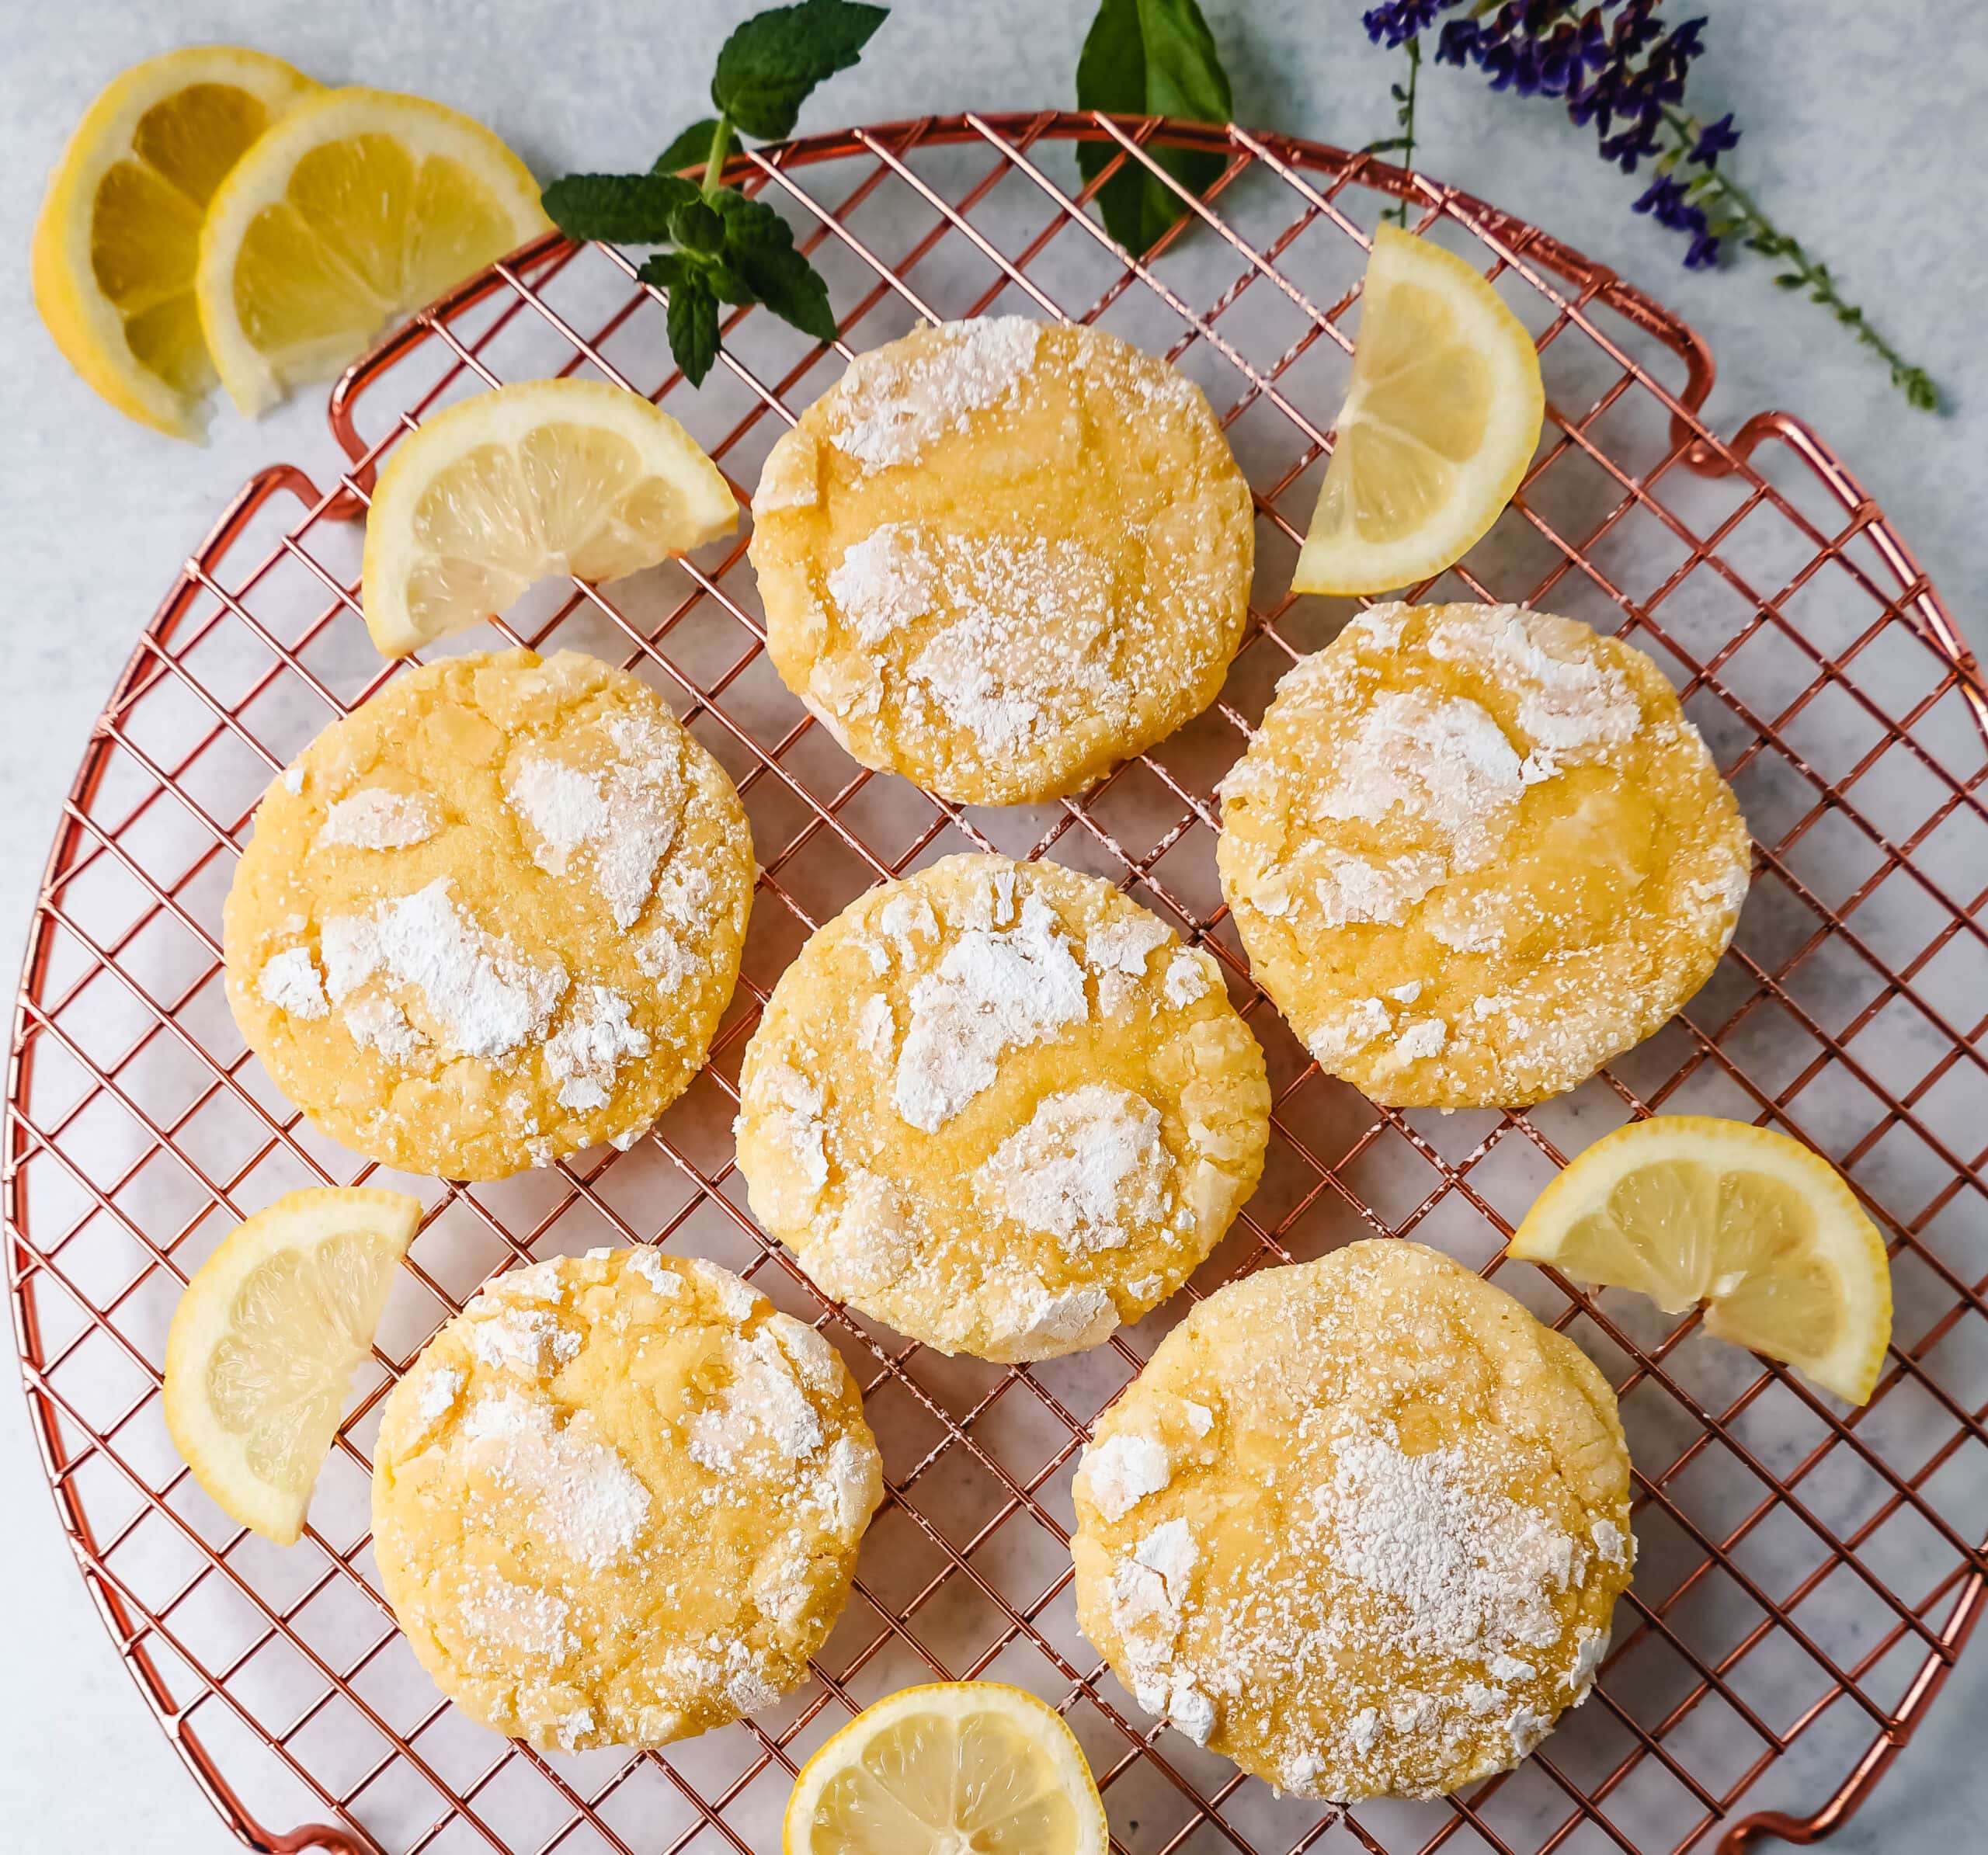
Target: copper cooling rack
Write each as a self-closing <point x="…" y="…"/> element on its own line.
<point x="1806" y="1578"/>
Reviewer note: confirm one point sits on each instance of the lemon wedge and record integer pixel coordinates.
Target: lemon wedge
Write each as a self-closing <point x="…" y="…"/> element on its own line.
<point x="119" y="236"/>
<point x="1441" y="417"/>
<point x="357" y="207"/>
<point x="264" y="1340"/>
<point x="1686" y="1208"/>
<point x="943" y="1770"/>
<point x="550" y="476"/>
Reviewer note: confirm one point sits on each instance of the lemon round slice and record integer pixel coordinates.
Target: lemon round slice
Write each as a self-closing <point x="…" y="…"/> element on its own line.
<point x="260" y="1358"/>
<point x="956" y="1767"/>
<point x="1441" y="417"/>
<point x="1686" y="1208"/>
<point x="357" y="208"/>
<point x="119" y="236"/>
<point x="549" y="476"/>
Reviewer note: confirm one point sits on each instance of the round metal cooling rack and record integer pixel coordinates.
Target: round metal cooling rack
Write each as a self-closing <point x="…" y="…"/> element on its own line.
<point x="1806" y="1578"/>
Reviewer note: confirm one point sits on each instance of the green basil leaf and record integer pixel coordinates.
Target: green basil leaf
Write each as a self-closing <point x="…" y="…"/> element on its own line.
<point x="772" y="61"/>
<point x="1150" y="58"/>
<point x="623" y="209"/>
<point x="692" y="322"/>
<point x="691" y="149"/>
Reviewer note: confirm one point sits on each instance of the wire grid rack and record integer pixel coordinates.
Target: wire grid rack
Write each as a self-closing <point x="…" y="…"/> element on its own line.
<point x="1806" y="1578"/>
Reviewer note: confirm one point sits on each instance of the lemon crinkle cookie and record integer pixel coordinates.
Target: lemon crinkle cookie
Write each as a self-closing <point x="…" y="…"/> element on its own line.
<point x="998" y="1105"/>
<point x="1474" y="852"/>
<point x="1001" y="557"/>
<point x="492" y="916"/>
<point x="617" y="1501"/>
<point x="1358" y="1526"/>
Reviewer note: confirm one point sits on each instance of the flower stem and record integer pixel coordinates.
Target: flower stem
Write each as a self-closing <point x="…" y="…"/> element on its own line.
<point x="1803" y="272"/>
<point x="1407" y="119"/>
<point x="1403" y="142"/>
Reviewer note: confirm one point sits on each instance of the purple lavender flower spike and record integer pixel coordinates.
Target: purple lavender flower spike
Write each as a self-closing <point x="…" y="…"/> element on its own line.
<point x="1715" y="139"/>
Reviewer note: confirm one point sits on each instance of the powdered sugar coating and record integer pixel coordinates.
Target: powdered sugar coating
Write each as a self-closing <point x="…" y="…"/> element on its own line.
<point x="498" y="918"/>
<point x="999" y="1107"/>
<point x="1493" y="816"/>
<point x="895" y="401"/>
<point x="290" y="982"/>
<point x="376" y="818"/>
<point x="1089" y="1167"/>
<point x="580" y="1567"/>
<point x="1000" y="557"/>
<point x="1379" y="1575"/>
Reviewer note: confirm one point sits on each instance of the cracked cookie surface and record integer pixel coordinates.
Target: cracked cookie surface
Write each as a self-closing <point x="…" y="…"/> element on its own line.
<point x="1000" y="557"/>
<point x="492" y="916"/>
<point x="617" y="1500"/>
<point x="999" y="1106"/>
<point x="1360" y="1526"/>
<point x="1474" y="852"/>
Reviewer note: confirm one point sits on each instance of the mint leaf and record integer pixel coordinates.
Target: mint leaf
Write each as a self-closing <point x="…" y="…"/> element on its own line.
<point x="692" y="322"/>
<point x="758" y="245"/>
<point x="1150" y="58"/>
<point x="623" y="209"/>
<point x="772" y="61"/>
<point x="692" y="149"/>
<point x="791" y="288"/>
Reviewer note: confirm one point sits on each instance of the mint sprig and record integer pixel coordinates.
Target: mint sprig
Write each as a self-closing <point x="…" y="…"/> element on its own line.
<point x="1150" y="58"/>
<point x="724" y="248"/>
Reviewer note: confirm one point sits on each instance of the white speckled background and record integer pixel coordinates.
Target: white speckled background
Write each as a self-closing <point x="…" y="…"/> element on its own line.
<point x="1865" y="131"/>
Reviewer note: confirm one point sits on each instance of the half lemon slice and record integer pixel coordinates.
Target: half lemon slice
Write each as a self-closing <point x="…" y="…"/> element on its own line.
<point x="359" y="207"/>
<point x="119" y="236"/>
<point x="956" y="1767"/>
<point x="1686" y="1208"/>
<point x="259" y="1361"/>
<point x="550" y="476"/>
<point x="1441" y="417"/>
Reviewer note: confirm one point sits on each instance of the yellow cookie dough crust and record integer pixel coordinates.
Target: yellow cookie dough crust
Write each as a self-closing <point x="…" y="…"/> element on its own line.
<point x="1012" y="1196"/>
<point x="617" y="1500"/>
<point x="1474" y="852"/>
<point x="492" y="916"/>
<point x="1001" y="557"/>
<point x="1358" y="1526"/>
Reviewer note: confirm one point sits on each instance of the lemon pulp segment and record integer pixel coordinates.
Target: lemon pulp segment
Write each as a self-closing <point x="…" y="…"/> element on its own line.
<point x="945" y="1770"/>
<point x="117" y="242"/>
<point x="1440" y="419"/>
<point x="366" y="205"/>
<point x="264" y="1340"/>
<point x="1688" y="1209"/>
<point x="566" y="476"/>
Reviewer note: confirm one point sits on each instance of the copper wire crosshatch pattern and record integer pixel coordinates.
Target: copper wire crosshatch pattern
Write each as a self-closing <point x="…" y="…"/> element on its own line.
<point x="1806" y="1579"/>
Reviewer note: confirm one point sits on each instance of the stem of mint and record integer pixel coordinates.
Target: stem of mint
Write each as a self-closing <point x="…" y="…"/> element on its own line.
<point x="721" y="147"/>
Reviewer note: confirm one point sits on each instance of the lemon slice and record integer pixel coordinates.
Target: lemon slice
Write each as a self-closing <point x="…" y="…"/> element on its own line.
<point x="1685" y="1208"/>
<point x="264" y="1342"/>
<point x="357" y="208"/>
<point x="549" y="476"/>
<point x="1441" y="419"/>
<point x="120" y="231"/>
<point x="956" y="1768"/>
